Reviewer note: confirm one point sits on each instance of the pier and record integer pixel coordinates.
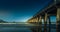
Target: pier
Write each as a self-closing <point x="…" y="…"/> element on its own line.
<point x="45" y="13"/>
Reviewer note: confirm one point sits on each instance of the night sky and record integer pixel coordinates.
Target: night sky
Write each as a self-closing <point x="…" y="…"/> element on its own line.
<point x="20" y="10"/>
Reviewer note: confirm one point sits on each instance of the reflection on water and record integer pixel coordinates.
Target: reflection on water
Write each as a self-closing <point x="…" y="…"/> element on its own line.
<point x="24" y="28"/>
<point x="14" y="29"/>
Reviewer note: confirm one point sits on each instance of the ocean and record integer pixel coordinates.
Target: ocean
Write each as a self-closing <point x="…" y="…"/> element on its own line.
<point x="24" y="28"/>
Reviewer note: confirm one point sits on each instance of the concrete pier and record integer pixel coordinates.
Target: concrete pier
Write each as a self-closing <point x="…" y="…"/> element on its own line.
<point x="52" y="10"/>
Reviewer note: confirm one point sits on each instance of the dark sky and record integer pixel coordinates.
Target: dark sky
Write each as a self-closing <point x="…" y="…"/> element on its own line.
<point x="20" y="10"/>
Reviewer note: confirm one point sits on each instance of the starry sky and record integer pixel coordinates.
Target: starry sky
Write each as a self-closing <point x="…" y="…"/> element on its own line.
<point x="20" y="10"/>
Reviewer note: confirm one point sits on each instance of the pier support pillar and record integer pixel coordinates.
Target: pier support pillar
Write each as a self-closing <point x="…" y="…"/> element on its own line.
<point x="49" y="24"/>
<point x="45" y="22"/>
<point x="58" y="20"/>
<point x="37" y="22"/>
<point x="40" y="23"/>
